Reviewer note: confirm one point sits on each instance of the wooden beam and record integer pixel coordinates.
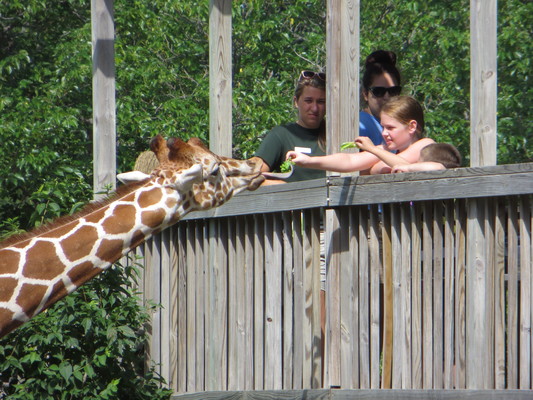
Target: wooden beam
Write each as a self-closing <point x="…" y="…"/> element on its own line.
<point x="483" y="81"/>
<point x="104" y="136"/>
<point x="220" y="77"/>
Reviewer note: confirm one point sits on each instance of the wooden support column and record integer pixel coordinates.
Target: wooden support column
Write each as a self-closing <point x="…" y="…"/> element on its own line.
<point x="479" y="268"/>
<point x="483" y="82"/>
<point x="342" y="37"/>
<point x="220" y="77"/>
<point x="104" y="136"/>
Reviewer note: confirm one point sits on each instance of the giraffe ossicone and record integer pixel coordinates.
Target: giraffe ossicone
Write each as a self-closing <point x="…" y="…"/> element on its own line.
<point x="41" y="267"/>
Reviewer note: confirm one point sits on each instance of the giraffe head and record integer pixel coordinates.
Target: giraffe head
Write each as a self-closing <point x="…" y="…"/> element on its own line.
<point x="204" y="179"/>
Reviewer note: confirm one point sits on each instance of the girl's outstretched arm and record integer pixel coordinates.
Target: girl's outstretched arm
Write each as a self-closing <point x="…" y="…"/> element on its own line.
<point x="338" y="162"/>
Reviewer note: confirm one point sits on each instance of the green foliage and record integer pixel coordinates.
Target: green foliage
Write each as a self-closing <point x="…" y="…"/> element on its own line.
<point x="87" y="346"/>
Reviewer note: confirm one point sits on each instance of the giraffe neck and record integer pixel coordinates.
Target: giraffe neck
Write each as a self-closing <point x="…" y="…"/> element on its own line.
<point x="37" y="271"/>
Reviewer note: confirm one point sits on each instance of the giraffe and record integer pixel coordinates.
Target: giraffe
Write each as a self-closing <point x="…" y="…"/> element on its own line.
<point x="41" y="267"/>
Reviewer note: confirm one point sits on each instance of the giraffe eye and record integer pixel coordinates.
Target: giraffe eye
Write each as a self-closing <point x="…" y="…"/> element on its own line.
<point x="215" y="170"/>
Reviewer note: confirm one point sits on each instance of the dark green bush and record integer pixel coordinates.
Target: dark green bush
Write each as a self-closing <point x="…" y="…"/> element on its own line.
<point x="90" y="345"/>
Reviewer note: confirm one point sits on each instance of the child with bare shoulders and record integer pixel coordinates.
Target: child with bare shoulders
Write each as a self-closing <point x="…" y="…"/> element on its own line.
<point x="433" y="157"/>
<point x="402" y="118"/>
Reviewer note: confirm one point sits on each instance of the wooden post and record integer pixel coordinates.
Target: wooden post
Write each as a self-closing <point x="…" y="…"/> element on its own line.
<point x="104" y="136"/>
<point x="220" y="78"/>
<point x="342" y="42"/>
<point x="483" y="75"/>
<point x="483" y="101"/>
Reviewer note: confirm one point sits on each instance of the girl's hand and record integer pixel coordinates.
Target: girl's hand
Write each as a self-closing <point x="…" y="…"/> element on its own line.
<point x="297" y="158"/>
<point x="364" y="143"/>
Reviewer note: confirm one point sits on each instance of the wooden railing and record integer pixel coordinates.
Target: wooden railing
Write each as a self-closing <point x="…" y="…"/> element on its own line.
<point x="429" y="285"/>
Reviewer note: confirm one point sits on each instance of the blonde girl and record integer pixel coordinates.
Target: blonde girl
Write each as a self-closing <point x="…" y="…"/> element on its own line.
<point x="402" y="119"/>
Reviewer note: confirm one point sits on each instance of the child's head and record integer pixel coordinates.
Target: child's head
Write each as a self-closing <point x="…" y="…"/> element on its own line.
<point x="406" y="109"/>
<point x="443" y="153"/>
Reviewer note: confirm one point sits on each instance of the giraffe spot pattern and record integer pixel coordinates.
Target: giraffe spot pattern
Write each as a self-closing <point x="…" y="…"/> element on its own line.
<point x="80" y="245"/>
<point x="121" y="221"/>
<point x="29" y="297"/>
<point x="42" y="262"/>
<point x="7" y="288"/>
<point x="107" y="251"/>
<point x="152" y="218"/>
<point x="150" y="197"/>
<point x="82" y="272"/>
<point x="58" y="291"/>
<point x="9" y="261"/>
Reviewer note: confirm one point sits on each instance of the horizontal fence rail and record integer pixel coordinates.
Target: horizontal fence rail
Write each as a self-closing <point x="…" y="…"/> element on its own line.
<point x="428" y="286"/>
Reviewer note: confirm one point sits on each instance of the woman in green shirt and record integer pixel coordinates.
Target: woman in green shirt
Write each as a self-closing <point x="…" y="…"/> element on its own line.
<point x="307" y="135"/>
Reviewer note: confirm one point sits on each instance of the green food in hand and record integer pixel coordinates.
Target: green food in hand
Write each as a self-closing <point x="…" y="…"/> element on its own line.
<point x="286" y="166"/>
<point x="348" y="145"/>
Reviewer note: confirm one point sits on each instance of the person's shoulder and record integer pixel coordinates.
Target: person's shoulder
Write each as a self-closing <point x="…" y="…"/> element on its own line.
<point x="364" y="116"/>
<point x="424" y="142"/>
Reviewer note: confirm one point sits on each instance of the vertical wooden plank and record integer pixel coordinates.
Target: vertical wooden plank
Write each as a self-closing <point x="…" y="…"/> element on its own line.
<point x="165" y="305"/>
<point x="438" y="340"/>
<point x="299" y="301"/>
<point x="333" y="323"/>
<point x="259" y="306"/>
<point x="460" y="290"/>
<point x="148" y="296"/>
<point x="364" y="300"/>
<point x="220" y="77"/>
<point x="527" y="260"/>
<point x="173" y="311"/>
<point x="388" y="315"/>
<point x="354" y="270"/>
<point x="427" y="288"/>
<point x="182" y="298"/>
<point x="155" y="347"/>
<point x="273" y="304"/>
<point x="185" y="309"/>
<point x="525" y="293"/>
<point x="398" y="322"/>
<point x="513" y="229"/>
<point x="416" y="289"/>
<point x="316" y="349"/>
<point x="216" y="322"/>
<point x="406" y="293"/>
<point x="288" y="297"/>
<point x="249" y="281"/>
<point x="375" y="297"/>
<point x="349" y="296"/>
<point x="477" y="360"/>
<point x="449" y="294"/>
<point x="499" y="287"/>
<point x="490" y="218"/>
<point x="234" y="306"/>
<point x="483" y="76"/>
<point x="202" y="249"/>
<point x="104" y="135"/>
<point x="240" y="306"/>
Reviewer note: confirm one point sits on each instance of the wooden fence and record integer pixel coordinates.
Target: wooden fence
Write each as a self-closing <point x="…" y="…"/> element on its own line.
<point x="429" y="285"/>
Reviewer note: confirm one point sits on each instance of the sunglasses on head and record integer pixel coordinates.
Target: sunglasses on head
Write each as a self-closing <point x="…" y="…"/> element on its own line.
<point x="379" y="91"/>
<point x="312" y="74"/>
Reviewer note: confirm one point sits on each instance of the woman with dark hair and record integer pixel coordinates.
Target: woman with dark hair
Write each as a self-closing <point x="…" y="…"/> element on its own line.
<point x="381" y="81"/>
<point x="307" y="135"/>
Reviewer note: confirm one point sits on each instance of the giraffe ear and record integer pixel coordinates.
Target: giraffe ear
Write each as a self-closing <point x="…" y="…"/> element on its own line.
<point x="132" y="176"/>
